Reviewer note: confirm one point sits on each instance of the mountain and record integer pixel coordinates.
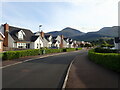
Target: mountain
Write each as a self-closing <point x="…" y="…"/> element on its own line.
<point x="68" y="32"/>
<point x="109" y="31"/>
<point x="89" y="36"/>
<point x="105" y="32"/>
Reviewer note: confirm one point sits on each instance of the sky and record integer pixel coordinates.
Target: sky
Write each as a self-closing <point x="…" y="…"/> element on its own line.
<point x="84" y="15"/>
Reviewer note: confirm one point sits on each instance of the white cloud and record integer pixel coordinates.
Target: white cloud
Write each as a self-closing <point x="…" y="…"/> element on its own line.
<point x="86" y="15"/>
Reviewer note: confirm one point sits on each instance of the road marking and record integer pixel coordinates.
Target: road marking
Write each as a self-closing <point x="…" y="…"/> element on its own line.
<point x="34" y="58"/>
<point x="68" y="71"/>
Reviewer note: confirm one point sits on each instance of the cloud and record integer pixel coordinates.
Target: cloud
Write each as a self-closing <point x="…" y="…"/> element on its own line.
<point x="86" y="15"/>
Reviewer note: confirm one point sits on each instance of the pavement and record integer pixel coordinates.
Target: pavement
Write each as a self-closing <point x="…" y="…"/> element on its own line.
<point x="86" y="74"/>
<point x="46" y="72"/>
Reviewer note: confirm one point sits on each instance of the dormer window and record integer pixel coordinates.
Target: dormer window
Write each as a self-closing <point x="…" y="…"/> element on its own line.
<point x="21" y="34"/>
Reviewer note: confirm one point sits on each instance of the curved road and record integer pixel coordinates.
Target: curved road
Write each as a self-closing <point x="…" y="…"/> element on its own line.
<point x="46" y="72"/>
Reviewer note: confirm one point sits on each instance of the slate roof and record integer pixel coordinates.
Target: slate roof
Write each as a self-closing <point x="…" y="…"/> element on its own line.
<point x="2" y="35"/>
<point x="14" y="30"/>
<point x="54" y="41"/>
<point x="70" y="42"/>
<point x="117" y="40"/>
<point x="34" y="38"/>
<point x="54" y="37"/>
<point x="47" y="36"/>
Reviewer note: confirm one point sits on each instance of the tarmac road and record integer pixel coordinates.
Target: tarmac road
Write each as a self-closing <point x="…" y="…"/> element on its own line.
<point x="86" y="74"/>
<point x="48" y="72"/>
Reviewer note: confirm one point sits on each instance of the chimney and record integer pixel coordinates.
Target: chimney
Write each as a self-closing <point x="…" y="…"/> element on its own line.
<point x="61" y="44"/>
<point x="6" y="30"/>
<point x="6" y="27"/>
<point x="42" y="34"/>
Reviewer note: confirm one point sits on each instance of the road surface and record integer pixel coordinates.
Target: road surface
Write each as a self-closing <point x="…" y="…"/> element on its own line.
<point x="86" y="74"/>
<point x="46" y="72"/>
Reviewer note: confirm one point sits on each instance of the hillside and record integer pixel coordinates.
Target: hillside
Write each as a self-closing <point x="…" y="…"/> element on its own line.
<point x="68" y="32"/>
<point x="109" y="31"/>
<point x="105" y="32"/>
<point x="89" y="36"/>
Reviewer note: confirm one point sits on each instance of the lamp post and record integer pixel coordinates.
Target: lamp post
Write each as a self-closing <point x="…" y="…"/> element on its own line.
<point x="39" y="38"/>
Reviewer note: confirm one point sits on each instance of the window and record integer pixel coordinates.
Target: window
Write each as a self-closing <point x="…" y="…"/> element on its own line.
<point x="37" y="45"/>
<point x="40" y="45"/>
<point x="21" y="34"/>
<point x="0" y="44"/>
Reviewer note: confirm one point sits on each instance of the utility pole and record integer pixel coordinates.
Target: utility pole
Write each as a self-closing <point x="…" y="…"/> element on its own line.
<point x="39" y="38"/>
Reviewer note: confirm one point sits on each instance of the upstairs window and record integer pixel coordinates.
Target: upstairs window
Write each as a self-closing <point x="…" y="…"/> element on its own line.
<point x="21" y="34"/>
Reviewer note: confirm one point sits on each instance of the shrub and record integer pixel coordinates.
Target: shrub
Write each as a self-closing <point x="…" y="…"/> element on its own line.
<point x="48" y="51"/>
<point x="32" y="52"/>
<point x="102" y="50"/>
<point x="109" y="60"/>
<point x="87" y="45"/>
<point x="69" y="49"/>
<point x="107" y="45"/>
<point x="17" y="54"/>
<point x="78" y="48"/>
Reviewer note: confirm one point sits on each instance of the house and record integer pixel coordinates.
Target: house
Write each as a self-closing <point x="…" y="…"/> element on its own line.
<point x="56" y="41"/>
<point x="117" y="39"/>
<point x="36" y="42"/>
<point x="16" y="37"/>
<point x="20" y="38"/>
<point x="71" y="44"/>
<point x="117" y="42"/>
<point x="55" y="44"/>
<point x="60" y="39"/>
<point x="75" y="45"/>
<point x="66" y="43"/>
<point x="1" y="41"/>
<point x="46" y="39"/>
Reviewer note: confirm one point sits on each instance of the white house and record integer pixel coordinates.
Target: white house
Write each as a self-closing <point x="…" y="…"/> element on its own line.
<point x="71" y="44"/>
<point x="46" y="39"/>
<point x="56" y="44"/>
<point x="1" y="41"/>
<point x="36" y="42"/>
<point x="66" y="43"/>
<point x="20" y="38"/>
<point x="49" y="40"/>
<point x="117" y="43"/>
<point x="117" y="39"/>
<point x="16" y="37"/>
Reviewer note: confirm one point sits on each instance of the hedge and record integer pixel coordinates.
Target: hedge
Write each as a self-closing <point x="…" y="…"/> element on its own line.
<point x="102" y="50"/>
<point x="17" y="54"/>
<point x="69" y="49"/>
<point x="78" y="48"/>
<point x="32" y="52"/>
<point x="108" y="60"/>
<point x="48" y="51"/>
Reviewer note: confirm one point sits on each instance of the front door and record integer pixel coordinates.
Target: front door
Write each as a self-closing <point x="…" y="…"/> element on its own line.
<point x="28" y="45"/>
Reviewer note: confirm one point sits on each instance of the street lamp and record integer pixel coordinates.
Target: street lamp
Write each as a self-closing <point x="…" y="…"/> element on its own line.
<point x="39" y="38"/>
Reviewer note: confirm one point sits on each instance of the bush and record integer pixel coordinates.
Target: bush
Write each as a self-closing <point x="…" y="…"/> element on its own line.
<point x="87" y="45"/>
<point x="32" y="52"/>
<point x="102" y="50"/>
<point x="107" y="45"/>
<point x="17" y="54"/>
<point x="78" y="48"/>
<point x="48" y="51"/>
<point x="69" y="49"/>
<point x="109" y="60"/>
